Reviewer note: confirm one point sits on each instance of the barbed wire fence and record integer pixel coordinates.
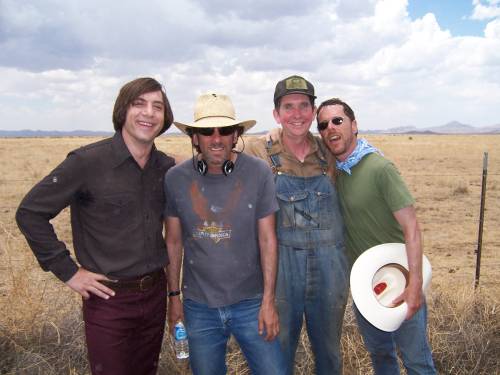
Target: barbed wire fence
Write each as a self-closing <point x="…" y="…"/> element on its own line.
<point x="475" y="216"/>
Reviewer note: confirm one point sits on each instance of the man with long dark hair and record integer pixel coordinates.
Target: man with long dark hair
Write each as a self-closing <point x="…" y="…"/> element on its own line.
<point x="114" y="189"/>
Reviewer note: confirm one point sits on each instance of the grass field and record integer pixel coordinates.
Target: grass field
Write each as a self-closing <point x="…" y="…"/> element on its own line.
<point x="40" y="322"/>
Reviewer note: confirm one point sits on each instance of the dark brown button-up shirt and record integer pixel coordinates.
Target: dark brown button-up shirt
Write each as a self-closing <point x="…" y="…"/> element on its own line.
<point x="116" y="212"/>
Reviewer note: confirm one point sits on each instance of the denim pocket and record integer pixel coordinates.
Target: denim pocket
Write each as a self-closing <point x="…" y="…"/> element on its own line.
<point x="292" y="205"/>
<point x="306" y="209"/>
<point x="322" y="209"/>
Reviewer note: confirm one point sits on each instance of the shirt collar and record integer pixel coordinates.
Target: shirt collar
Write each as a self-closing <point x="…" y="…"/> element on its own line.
<point x="121" y="152"/>
<point x="279" y="147"/>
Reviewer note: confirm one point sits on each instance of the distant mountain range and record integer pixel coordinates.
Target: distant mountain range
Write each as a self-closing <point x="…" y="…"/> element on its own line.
<point x="453" y="127"/>
<point x="52" y="133"/>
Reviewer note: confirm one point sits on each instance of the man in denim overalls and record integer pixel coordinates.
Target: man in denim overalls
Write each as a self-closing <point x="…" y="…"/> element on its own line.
<point x="313" y="267"/>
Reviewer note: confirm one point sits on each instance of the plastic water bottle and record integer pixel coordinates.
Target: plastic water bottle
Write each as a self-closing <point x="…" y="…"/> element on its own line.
<point x="181" y="345"/>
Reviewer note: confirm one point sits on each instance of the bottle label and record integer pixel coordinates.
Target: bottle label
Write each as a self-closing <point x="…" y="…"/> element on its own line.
<point x="180" y="332"/>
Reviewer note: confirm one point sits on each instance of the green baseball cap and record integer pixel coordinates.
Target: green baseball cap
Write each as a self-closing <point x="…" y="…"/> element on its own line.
<point x="293" y="85"/>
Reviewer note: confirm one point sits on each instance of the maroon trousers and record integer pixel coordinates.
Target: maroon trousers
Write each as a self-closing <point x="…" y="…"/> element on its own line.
<point x="125" y="332"/>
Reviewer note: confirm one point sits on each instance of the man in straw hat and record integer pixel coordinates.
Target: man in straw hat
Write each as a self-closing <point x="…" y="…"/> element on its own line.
<point x="114" y="188"/>
<point x="220" y="209"/>
<point x="378" y="209"/>
<point x="313" y="267"/>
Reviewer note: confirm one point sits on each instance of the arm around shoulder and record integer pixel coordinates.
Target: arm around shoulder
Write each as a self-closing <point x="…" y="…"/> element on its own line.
<point x="256" y="147"/>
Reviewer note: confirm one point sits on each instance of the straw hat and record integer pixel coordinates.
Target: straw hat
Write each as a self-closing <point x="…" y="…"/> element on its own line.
<point x="378" y="276"/>
<point x="214" y="111"/>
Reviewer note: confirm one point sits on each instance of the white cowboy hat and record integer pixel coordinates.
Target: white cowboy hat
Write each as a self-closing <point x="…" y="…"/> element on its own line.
<point x="214" y="111"/>
<point x="378" y="276"/>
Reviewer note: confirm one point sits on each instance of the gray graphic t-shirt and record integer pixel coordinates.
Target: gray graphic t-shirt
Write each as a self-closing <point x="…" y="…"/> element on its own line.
<point x="219" y="217"/>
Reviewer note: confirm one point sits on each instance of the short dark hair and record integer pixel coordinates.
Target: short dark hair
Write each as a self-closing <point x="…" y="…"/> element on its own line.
<point x="130" y="92"/>
<point x="336" y="101"/>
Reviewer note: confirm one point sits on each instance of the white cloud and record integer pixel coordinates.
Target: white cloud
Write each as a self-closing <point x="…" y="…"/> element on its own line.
<point x="257" y="9"/>
<point x="485" y="11"/>
<point x="492" y="29"/>
<point x="63" y="62"/>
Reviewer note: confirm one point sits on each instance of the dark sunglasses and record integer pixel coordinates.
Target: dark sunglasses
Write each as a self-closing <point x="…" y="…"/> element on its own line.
<point x="337" y="121"/>
<point x="223" y="131"/>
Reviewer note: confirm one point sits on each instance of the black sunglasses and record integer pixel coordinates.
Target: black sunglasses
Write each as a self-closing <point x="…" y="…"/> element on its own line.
<point x="337" y="121"/>
<point x="223" y="131"/>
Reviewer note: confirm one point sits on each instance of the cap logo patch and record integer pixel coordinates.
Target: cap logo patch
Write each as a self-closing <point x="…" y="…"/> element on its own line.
<point x="296" y="83"/>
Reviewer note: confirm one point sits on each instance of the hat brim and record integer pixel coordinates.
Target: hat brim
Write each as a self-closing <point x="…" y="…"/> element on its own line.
<point x="363" y="271"/>
<point x="295" y="92"/>
<point x="215" y="122"/>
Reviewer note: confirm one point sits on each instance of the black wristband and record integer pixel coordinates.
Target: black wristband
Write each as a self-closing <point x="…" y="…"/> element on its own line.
<point x="174" y="293"/>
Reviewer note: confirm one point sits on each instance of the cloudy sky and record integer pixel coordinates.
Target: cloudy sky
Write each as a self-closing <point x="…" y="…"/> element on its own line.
<point x="397" y="62"/>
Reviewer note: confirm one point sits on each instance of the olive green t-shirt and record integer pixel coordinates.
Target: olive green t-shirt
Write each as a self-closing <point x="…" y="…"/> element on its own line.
<point x="368" y="198"/>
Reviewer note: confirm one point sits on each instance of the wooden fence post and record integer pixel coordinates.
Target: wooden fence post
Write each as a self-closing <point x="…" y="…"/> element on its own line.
<point x="481" y="220"/>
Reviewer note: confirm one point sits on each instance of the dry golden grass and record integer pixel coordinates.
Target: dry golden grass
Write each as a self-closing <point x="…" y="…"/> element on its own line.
<point x="40" y="320"/>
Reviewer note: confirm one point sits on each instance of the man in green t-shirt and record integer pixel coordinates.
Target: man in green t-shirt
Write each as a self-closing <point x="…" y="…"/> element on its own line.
<point x="378" y="208"/>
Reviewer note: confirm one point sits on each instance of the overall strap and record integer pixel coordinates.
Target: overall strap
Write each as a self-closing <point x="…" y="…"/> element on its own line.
<point x="275" y="158"/>
<point x="321" y="156"/>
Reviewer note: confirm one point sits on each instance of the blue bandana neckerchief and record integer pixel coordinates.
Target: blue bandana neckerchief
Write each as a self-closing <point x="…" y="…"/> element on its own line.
<point x="362" y="149"/>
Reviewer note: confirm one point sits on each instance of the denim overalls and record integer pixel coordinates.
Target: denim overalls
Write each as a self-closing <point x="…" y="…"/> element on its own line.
<point x="313" y="267"/>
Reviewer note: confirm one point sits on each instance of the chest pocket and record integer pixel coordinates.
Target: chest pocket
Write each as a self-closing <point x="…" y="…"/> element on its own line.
<point x="293" y="206"/>
<point x="306" y="209"/>
<point x="324" y="206"/>
<point x="114" y="210"/>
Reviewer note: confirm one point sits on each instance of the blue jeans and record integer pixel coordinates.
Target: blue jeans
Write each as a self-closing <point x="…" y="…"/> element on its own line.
<point x="313" y="283"/>
<point x="410" y="338"/>
<point x="208" y="332"/>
